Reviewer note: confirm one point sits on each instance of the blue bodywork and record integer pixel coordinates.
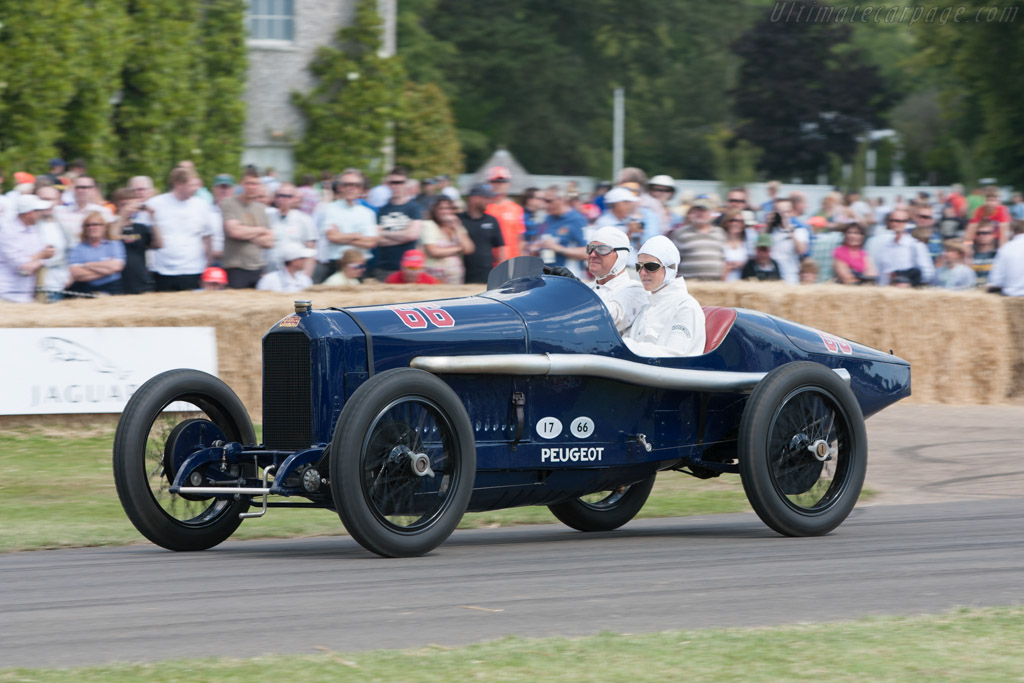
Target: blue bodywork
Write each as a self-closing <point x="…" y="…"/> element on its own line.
<point x="695" y="430"/>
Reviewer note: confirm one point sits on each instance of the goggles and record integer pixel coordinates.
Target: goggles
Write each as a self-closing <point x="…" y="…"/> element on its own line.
<point x="603" y="249"/>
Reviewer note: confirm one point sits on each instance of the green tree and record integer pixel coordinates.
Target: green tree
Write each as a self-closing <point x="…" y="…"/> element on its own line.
<point x="358" y="94"/>
<point x="425" y="139"/>
<point x="99" y="31"/>
<point x="733" y="161"/>
<point x="164" y="98"/>
<point x="224" y="59"/>
<point x="36" y="48"/>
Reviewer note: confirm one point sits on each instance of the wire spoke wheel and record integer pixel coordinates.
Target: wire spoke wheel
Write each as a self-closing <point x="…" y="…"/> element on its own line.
<point x="404" y="432"/>
<point x="403" y="462"/>
<point x="169" y="418"/>
<point x="802" y="449"/>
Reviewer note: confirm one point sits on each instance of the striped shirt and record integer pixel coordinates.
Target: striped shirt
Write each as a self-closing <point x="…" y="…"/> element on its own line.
<point x="701" y="254"/>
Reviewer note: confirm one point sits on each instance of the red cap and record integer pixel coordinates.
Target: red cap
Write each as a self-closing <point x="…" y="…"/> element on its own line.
<point x="21" y="177"/>
<point x="414" y="258"/>
<point x="498" y="173"/>
<point x="215" y="275"/>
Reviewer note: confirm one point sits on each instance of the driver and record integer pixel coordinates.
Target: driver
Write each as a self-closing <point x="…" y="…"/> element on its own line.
<point x="607" y="255"/>
<point x="673" y="322"/>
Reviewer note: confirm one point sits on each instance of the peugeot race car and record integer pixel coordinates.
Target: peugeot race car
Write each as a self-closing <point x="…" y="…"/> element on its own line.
<point x="403" y="417"/>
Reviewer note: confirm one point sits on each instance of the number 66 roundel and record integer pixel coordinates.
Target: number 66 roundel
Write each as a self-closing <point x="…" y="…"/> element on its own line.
<point x="421" y="317"/>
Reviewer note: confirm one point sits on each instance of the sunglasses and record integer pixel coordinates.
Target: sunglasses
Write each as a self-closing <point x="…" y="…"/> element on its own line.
<point x="736" y="200"/>
<point x="396" y="182"/>
<point x="925" y="216"/>
<point x="603" y="249"/>
<point x="655" y="188"/>
<point x="285" y="196"/>
<point x="986" y="232"/>
<point x="650" y="267"/>
<point x="899" y="220"/>
<point x="84" y="187"/>
<point x="351" y="184"/>
<point x="94" y="225"/>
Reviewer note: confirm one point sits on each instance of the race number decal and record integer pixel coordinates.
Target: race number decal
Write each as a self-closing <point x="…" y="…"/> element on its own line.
<point x="549" y="427"/>
<point x="582" y="427"/>
<point x="836" y="344"/>
<point x="421" y="317"/>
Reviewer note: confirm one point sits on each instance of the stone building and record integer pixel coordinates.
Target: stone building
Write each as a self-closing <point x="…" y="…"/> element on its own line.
<point x="283" y="35"/>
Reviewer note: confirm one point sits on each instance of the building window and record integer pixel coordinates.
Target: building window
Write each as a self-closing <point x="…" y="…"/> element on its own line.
<point x="272" y="20"/>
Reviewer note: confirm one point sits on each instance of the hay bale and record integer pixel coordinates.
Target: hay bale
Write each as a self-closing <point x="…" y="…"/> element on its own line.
<point x="965" y="347"/>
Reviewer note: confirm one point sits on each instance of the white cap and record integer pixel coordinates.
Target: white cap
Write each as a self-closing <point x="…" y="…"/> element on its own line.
<point x="30" y="202"/>
<point x="661" y="248"/>
<point x="617" y="238"/>
<point x="620" y="194"/>
<point x="662" y="181"/>
<point x="293" y="250"/>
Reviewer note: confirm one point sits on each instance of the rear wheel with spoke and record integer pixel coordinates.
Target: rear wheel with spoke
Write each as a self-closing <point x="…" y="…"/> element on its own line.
<point x="402" y="463"/>
<point x="802" y="449"/>
<point x="604" y="510"/>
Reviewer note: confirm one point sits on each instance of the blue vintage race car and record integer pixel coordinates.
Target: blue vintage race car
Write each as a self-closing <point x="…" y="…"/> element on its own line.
<point x="402" y="417"/>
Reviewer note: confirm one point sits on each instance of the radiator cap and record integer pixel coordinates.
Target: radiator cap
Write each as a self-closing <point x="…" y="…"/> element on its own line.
<point x="303" y="305"/>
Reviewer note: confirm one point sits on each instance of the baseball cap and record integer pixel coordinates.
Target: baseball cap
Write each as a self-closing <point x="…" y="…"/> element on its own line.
<point x="30" y="202"/>
<point x="620" y="194"/>
<point x="662" y="181"/>
<point x="701" y="202"/>
<point x="57" y="161"/>
<point x="293" y="250"/>
<point x="216" y="275"/>
<point x="414" y="258"/>
<point x="481" y="190"/>
<point x="224" y="179"/>
<point x="763" y="240"/>
<point x="22" y="177"/>
<point x="498" y="173"/>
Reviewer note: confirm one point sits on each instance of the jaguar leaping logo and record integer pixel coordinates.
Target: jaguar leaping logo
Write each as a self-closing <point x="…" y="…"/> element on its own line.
<point x="72" y="352"/>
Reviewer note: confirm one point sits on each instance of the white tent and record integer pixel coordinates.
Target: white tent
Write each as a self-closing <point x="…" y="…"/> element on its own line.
<point x="520" y="179"/>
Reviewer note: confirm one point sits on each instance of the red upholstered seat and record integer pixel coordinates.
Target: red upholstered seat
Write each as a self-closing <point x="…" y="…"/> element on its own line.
<point x="717" y="323"/>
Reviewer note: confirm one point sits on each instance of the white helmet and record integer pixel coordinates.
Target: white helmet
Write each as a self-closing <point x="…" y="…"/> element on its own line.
<point x="617" y="239"/>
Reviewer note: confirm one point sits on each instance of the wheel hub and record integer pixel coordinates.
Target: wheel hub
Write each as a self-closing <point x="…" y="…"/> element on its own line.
<point x="821" y="450"/>
<point x="419" y="463"/>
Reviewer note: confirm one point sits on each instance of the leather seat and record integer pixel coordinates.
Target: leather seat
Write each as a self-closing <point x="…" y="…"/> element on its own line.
<point x="717" y="323"/>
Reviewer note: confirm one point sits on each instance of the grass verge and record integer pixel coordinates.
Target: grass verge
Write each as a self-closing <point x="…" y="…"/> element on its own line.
<point x="58" y="492"/>
<point x="965" y="645"/>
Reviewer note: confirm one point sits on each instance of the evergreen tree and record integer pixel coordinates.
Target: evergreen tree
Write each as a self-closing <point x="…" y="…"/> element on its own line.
<point x="425" y="138"/>
<point x="164" y="104"/>
<point x="99" y="31"/>
<point x="224" y="58"/>
<point x="36" y="51"/>
<point x="358" y="94"/>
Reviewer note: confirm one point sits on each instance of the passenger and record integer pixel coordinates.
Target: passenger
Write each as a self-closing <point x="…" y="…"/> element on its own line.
<point x="673" y="322"/>
<point x="607" y="255"/>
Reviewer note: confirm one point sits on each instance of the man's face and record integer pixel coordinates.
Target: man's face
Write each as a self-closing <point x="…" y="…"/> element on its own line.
<point x="85" y="187"/>
<point x="763" y="255"/>
<point x="286" y="198"/>
<point x="221" y="192"/>
<point x="51" y="195"/>
<point x="898" y="221"/>
<point x="500" y="186"/>
<point x="736" y="200"/>
<point x="985" y="237"/>
<point x="699" y="215"/>
<point x="600" y="265"/>
<point x="992" y="201"/>
<point x="623" y="209"/>
<point x="252" y="188"/>
<point x="350" y="186"/>
<point x="397" y="185"/>
<point x="477" y="202"/>
<point x="556" y="205"/>
<point x="924" y="218"/>
<point x="784" y="207"/>
<point x="185" y="189"/>
<point x="141" y="190"/>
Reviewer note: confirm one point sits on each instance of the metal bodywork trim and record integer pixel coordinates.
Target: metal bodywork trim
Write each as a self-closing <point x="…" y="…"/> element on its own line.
<point x="591" y="365"/>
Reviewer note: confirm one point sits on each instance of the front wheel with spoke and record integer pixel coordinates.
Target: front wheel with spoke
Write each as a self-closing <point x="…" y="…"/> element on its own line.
<point x="168" y="418"/>
<point x="604" y="510"/>
<point x="802" y="449"/>
<point x="403" y="463"/>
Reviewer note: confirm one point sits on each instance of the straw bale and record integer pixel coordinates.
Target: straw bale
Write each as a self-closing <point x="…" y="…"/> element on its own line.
<point x="963" y="347"/>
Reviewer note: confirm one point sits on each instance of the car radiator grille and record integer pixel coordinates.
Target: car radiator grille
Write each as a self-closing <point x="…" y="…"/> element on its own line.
<point x="287" y="400"/>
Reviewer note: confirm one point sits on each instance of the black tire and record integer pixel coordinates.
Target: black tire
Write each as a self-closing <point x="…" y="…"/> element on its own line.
<point x="802" y="449"/>
<point x="605" y="510"/>
<point x="143" y="472"/>
<point x="383" y="504"/>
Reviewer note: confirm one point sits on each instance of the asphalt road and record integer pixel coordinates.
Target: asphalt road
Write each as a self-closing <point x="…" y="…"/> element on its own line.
<point x="138" y="603"/>
<point x="75" y="607"/>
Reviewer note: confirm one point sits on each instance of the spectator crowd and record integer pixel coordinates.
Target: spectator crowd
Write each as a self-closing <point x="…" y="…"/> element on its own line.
<point x="61" y="236"/>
